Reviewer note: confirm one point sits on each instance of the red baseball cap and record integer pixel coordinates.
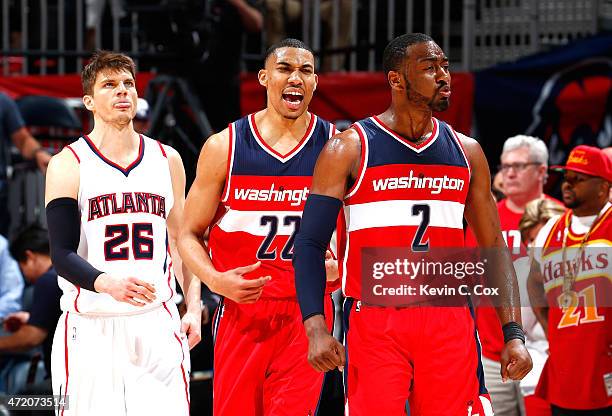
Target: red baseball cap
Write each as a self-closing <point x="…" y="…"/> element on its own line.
<point x="589" y="160"/>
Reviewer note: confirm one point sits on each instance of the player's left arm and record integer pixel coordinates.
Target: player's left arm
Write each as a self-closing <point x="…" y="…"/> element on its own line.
<point x="190" y="284"/>
<point x="482" y="216"/>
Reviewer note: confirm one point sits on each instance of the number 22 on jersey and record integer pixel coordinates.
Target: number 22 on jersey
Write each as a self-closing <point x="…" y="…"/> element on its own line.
<point x="265" y="252"/>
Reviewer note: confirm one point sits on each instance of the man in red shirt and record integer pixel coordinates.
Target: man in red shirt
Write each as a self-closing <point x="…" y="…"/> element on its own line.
<point x="570" y="292"/>
<point x="523" y="168"/>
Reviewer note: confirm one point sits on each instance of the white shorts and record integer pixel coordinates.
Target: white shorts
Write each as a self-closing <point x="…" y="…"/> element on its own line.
<point x="121" y="365"/>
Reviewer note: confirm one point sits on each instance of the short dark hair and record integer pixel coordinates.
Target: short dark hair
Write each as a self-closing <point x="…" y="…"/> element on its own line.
<point x="287" y="43"/>
<point x="34" y="238"/>
<point x="105" y="60"/>
<point x="395" y="52"/>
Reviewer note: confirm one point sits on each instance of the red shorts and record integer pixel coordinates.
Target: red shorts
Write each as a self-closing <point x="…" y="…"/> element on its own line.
<point x="425" y="357"/>
<point x="536" y="406"/>
<point x="261" y="360"/>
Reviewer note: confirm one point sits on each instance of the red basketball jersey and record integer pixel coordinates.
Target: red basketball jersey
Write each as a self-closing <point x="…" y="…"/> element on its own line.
<point x="406" y="195"/>
<point x="580" y="336"/>
<point x="262" y="203"/>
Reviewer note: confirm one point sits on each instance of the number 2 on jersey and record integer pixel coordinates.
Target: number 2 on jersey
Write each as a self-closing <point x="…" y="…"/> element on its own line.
<point x="418" y="245"/>
<point x="264" y="252"/>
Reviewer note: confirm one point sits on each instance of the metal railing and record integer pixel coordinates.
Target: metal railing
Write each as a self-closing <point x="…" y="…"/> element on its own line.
<point x="43" y="36"/>
<point x="505" y="30"/>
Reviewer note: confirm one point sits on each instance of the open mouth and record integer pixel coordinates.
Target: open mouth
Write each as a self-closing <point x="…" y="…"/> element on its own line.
<point x="445" y="92"/>
<point x="293" y="99"/>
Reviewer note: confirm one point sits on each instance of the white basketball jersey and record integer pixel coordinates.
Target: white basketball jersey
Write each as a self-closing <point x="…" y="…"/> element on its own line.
<point x="123" y="225"/>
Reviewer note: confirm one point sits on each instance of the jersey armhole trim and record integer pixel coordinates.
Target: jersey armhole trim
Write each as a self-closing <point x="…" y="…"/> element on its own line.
<point x="161" y="147"/>
<point x="165" y="155"/>
<point x="553" y="228"/>
<point x="230" y="162"/>
<point x="74" y="153"/>
<point x="363" y="161"/>
<point x="332" y="130"/>
<point x="456" y="137"/>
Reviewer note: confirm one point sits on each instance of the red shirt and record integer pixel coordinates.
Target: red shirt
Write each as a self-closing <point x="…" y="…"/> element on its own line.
<point x="397" y="176"/>
<point x="580" y="336"/>
<point x="262" y="204"/>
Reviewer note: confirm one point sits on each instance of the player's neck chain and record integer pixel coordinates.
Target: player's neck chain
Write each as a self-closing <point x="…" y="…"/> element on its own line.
<point x="570" y="271"/>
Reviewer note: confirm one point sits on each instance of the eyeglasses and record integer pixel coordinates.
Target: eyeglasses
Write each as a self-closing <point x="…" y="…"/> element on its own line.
<point x="518" y="167"/>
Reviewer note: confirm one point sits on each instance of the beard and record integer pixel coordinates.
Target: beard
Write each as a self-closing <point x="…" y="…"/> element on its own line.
<point x="572" y="202"/>
<point x="440" y="105"/>
<point x="434" y="103"/>
<point x="416" y="97"/>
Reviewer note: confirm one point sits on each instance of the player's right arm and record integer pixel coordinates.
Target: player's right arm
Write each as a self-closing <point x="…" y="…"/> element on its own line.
<point x="63" y="219"/>
<point x="336" y="166"/>
<point x="483" y="218"/>
<point x="200" y="208"/>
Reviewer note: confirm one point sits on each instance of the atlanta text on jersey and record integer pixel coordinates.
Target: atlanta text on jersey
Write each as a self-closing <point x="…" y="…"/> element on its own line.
<point x="125" y="203"/>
